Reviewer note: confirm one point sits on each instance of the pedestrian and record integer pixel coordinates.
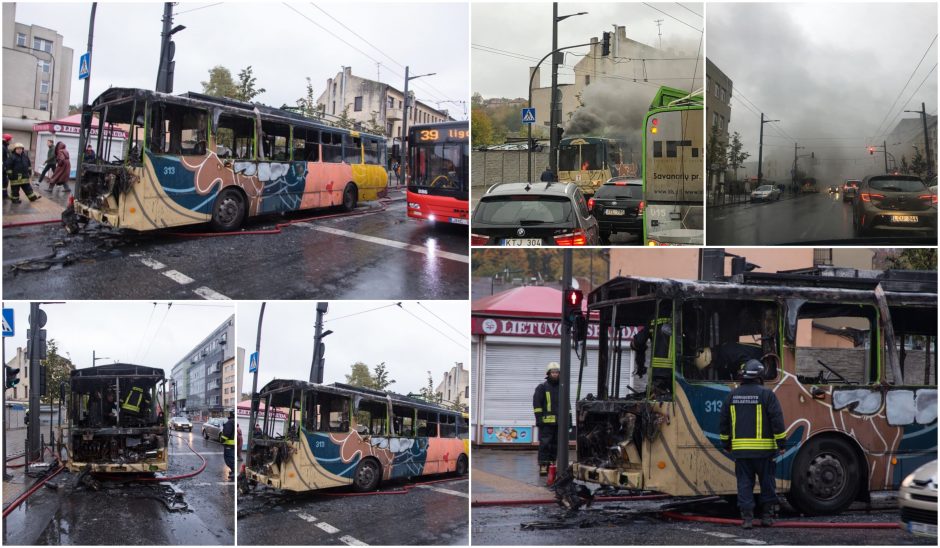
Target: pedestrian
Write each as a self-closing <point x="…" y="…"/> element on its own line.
<point x="257" y="432"/>
<point x="17" y="169"/>
<point x="6" y="154"/>
<point x="63" y="168"/>
<point x="548" y="176"/>
<point x="228" y="443"/>
<point x="50" y="159"/>
<point x="545" y="406"/>
<point x="752" y="429"/>
<point x="89" y="156"/>
<point x="240" y="440"/>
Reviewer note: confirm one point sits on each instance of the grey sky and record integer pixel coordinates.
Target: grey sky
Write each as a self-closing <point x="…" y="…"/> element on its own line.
<point x="826" y="70"/>
<point x="126" y="332"/>
<point x="282" y="47"/>
<point x="526" y="29"/>
<point x="408" y="347"/>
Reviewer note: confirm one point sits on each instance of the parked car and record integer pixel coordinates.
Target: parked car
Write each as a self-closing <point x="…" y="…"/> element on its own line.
<point x="533" y="214"/>
<point x="917" y="499"/>
<point x="894" y="202"/>
<point x="765" y="193"/>
<point x="850" y="189"/>
<point x="181" y="423"/>
<point x="618" y="207"/>
<point x="212" y="429"/>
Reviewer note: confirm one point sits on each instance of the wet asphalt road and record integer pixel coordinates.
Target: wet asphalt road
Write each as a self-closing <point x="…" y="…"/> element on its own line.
<point x="380" y="254"/>
<point x="818" y="218"/>
<point x="138" y="513"/>
<point x="434" y="514"/>
<point x="610" y="524"/>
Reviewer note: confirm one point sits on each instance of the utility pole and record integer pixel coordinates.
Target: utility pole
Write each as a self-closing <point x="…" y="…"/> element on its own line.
<point x="564" y="380"/>
<point x="553" y="102"/>
<point x="3" y="419"/>
<point x="404" y="125"/>
<point x="793" y="176"/>
<point x="255" y="398"/>
<point x="85" y="130"/>
<point x="167" y="50"/>
<point x="760" y="149"/>
<point x="37" y="350"/>
<point x="928" y="158"/>
<point x="885" y="145"/>
<point x="659" y="29"/>
<point x="319" y="349"/>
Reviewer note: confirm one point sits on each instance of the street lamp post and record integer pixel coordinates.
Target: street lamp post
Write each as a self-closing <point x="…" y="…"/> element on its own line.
<point x="760" y="149"/>
<point x="923" y="114"/>
<point x="555" y="107"/>
<point x="404" y="124"/>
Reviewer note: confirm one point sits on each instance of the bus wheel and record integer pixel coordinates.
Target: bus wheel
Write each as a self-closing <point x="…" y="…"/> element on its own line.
<point x="367" y="475"/>
<point x="462" y="465"/>
<point x="229" y="210"/>
<point x="350" y="197"/>
<point x="826" y="477"/>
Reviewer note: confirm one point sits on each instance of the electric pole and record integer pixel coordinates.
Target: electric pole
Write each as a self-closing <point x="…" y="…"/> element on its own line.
<point x="928" y="158"/>
<point x="319" y="349"/>
<point x="553" y="101"/>
<point x="85" y="128"/>
<point x="564" y="380"/>
<point x="167" y="50"/>
<point x="659" y="29"/>
<point x="760" y="149"/>
<point x="255" y="398"/>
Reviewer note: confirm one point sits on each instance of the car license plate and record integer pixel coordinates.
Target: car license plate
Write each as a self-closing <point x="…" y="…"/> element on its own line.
<point x="922" y="528"/>
<point x="614" y="212"/>
<point x="904" y="219"/>
<point x="522" y="242"/>
<point x="459" y="221"/>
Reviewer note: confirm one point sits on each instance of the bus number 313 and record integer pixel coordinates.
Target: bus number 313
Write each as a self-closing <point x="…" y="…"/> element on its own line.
<point x="713" y="406"/>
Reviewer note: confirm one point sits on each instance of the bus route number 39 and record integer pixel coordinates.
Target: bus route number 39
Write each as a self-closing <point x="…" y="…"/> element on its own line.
<point x="713" y="406"/>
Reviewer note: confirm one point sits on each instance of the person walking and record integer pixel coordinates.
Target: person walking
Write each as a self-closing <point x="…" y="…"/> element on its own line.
<point x="545" y="407"/>
<point x="753" y="430"/>
<point x="17" y="168"/>
<point x="228" y="443"/>
<point x="63" y="168"/>
<point x="50" y="160"/>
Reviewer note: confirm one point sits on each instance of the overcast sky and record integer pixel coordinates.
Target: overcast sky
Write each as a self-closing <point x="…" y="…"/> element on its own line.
<point x="408" y="346"/>
<point x="278" y="42"/>
<point x="828" y="71"/>
<point x="525" y="29"/>
<point x="127" y="332"/>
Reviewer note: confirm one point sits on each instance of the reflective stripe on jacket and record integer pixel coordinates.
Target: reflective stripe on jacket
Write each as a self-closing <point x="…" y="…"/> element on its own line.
<point x="752" y="421"/>
<point x="545" y="403"/>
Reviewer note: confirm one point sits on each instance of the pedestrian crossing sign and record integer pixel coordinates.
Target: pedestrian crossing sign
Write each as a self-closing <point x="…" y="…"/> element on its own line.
<point x="528" y="115"/>
<point x="253" y="362"/>
<point x="84" y="66"/>
<point x="8" y="330"/>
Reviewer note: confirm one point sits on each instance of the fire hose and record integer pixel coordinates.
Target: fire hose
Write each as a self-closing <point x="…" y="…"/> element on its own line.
<point x="403" y="491"/>
<point x="33" y="489"/>
<point x="31" y="223"/>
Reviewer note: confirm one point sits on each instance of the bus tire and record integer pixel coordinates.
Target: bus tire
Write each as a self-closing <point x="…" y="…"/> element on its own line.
<point x="350" y="197"/>
<point x="462" y="465"/>
<point x="826" y="476"/>
<point x="228" y="212"/>
<point x="367" y="475"/>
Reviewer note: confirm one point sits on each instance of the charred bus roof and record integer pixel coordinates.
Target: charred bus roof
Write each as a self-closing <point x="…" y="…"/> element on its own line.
<point x="90" y="377"/>
<point x="280" y="386"/>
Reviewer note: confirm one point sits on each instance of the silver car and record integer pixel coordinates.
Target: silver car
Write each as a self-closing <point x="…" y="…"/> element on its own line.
<point x="181" y="423"/>
<point x="212" y="429"/>
<point x="765" y="193"/>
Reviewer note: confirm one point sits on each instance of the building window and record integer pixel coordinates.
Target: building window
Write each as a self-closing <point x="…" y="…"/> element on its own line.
<point x="44" y="86"/>
<point x="822" y="257"/>
<point x="21" y="39"/>
<point x="43" y="104"/>
<point x="46" y="66"/>
<point x="587" y="79"/>
<point x="357" y="104"/>
<point x="44" y="45"/>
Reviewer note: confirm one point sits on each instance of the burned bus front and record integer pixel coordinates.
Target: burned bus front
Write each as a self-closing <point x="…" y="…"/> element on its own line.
<point x="116" y="420"/>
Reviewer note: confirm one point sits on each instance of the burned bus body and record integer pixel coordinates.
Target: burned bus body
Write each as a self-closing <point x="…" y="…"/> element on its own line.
<point x="115" y="421"/>
<point x="851" y="356"/>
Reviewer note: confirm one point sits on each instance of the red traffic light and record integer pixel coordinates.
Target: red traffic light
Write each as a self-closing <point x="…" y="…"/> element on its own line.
<point x="573" y="297"/>
<point x="871" y="150"/>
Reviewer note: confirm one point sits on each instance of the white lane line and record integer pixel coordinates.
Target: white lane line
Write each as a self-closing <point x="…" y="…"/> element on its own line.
<point x="190" y="454"/>
<point x="156" y="265"/>
<point x="445" y="491"/>
<point x="178" y="277"/>
<point x="429" y="251"/>
<point x="306" y="517"/>
<point x="749" y="541"/>
<point x="327" y="527"/>
<point x="720" y="535"/>
<point x="210" y="294"/>
<point x="350" y="541"/>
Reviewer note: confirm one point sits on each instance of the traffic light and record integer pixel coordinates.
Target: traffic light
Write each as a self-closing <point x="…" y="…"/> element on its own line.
<point x="572" y="306"/>
<point x="871" y="151"/>
<point x="10" y="377"/>
<point x="605" y="45"/>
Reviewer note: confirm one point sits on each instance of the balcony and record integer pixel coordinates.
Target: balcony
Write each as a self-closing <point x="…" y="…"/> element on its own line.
<point x="393" y="114"/>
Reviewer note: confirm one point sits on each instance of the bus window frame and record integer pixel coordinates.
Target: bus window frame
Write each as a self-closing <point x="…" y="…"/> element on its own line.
<point x="873" y="373"/>
<point x="658" y="362"/>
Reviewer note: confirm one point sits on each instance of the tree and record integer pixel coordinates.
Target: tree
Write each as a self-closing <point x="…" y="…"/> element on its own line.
<point x="380" y="377"/>
<point x="75" y="109"/>
<point x="308" y="104"/>
<point x="918" y="164"/>
<point x="220" y="83"/>
<point x="919" y="258"/>
<point x="246" y="85"/>
<point x="58" y="369"/>
<point x="373" y="126"/>
<point x="735" y="155"/>
<point x="344" y="120"/>
<point x="481" y="128"/>
<point x="359" y="375"/>
<point x="428" y="394"/>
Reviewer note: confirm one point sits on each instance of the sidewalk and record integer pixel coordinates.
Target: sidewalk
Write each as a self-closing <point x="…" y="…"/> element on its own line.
<point x="48" y="208"/>
<point x="507" y="475"/>
<point x="16" y="445"/>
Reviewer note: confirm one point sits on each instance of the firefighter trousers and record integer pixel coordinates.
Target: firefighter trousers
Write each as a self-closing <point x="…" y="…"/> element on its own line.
<point x="23" y="184"/>
<point x="548" y="443"/>
<point x="745" y="469"/>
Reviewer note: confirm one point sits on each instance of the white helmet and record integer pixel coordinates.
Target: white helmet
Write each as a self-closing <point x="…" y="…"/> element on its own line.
<point x="704" y="358"/>
<point x="552" y="366"/>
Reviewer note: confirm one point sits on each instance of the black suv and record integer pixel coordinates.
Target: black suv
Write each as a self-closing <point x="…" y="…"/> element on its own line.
<point x="894" y="202"/>
<point x="533" y="214"/>
<point x="618" y="207"/>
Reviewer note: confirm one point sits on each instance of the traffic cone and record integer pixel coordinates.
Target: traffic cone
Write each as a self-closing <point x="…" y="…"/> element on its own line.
<point x="551" y="474"/>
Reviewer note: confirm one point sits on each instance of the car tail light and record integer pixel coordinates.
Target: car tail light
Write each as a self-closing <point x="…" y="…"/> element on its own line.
<point x="575" y="237"/>
<point x="591" y="204"/>
<point x="931" y="197"/>
<point x="869" y="196"/>
<point x="479" y="239"/>
<point x="621" y="183"/>
<point x="640" y="208"/>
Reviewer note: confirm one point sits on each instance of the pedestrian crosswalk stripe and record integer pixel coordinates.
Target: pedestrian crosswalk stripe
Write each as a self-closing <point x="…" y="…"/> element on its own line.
<point x="348" y="540"/>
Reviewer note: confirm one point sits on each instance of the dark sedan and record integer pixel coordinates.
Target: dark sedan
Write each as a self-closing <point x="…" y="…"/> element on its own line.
<point x="533" y="214"/>
<point x="618" y="207"/>
<point x="894" y="203"/>
<point x="850" y="189"/>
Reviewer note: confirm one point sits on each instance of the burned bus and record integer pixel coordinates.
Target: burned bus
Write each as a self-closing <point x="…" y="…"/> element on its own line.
<point x="852" y="357"/>
<point x="115" y="420"/>
<point x="338" y="434"/>
<point x="591" y="161"/>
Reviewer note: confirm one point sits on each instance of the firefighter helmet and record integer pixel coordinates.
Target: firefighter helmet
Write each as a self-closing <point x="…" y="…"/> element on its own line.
<point x="753" y="369"/>
<point x="552" y="366"/>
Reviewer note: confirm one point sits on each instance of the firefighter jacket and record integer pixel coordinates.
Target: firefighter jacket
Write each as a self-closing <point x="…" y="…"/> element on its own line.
<point x="17" y="166"/>
<point x="545" y="403"/>
<point x="752" y="422"/>
<point x="228" y="432"/>
<point x="135" y="400"/>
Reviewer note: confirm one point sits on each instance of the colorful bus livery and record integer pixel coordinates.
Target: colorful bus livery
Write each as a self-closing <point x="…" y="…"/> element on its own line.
<point x="194" y="158"/>
<point x="438" y="169"/>
<point x="337" y="435"/>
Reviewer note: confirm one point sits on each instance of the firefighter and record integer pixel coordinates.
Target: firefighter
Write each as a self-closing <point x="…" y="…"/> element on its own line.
<point x="545" y="406"/>
<point x="752" y="429"/>
<point x="228" y="443"/>
<point x="136" y="402"/>
<point x="17" y="168"/>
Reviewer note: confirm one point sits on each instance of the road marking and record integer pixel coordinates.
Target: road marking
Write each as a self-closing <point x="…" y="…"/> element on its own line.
<point x="749" y="541"/>
<point x="195" y="455"/>
<point x="445" y="491"/>
<point x="720" y="535"/>
<point x="426" y="250"/>
<point x="210" y="294"/>
<point x="351" y="541"/>
<point x="156" y="265"/>
<point x="327" y="527"/>
<point x="178" y="277"/>
<point x="306" y="517"/>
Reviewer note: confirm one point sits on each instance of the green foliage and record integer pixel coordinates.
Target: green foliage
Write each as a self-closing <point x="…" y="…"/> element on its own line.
<point x="428" y="394"/>
<point x="717" y="151"/>
<point x="373" y="126"/>
<point x="918" y="164"/>
<point x="380" y="377"/>
<point x="377" y="379"/>
<point x="246" y="90"/>
<point x="481" y="128"/>
<point x="917" y="258"/>
<point x="58" y="369"/>
<point x="308" y="103"/>
<point x="220" y="83"/>
<point x="344" y="120"/>
<point x="735" y="154"/>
